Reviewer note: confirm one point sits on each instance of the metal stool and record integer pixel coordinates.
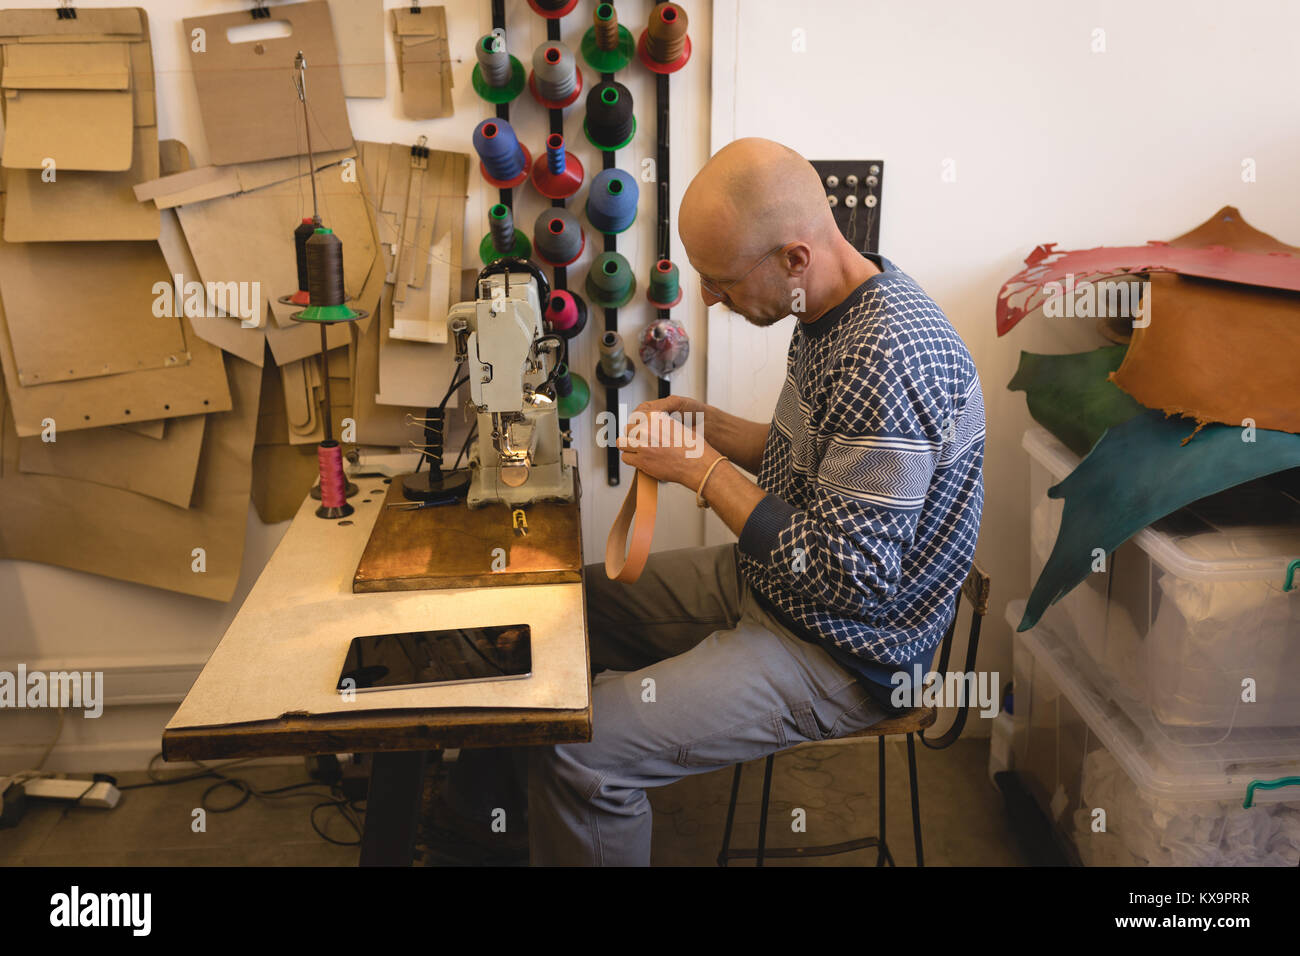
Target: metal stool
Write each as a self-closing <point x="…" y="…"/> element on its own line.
<point x="911" y="722"/>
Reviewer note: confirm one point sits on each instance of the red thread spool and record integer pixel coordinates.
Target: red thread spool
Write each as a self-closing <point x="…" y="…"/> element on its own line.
<point x="333" y="484"/>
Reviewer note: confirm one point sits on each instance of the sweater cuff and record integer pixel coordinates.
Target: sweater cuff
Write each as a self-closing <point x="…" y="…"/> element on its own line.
<point x="759" y="537"/>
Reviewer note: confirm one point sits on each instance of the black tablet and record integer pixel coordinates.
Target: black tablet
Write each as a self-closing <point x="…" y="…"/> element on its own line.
<point x="430" y="658"/>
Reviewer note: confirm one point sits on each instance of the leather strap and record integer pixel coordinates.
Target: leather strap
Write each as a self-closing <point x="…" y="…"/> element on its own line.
<point x="640" y="505"/>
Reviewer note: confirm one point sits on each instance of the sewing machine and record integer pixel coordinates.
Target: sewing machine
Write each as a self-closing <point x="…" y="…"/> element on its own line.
<point x="511" y="362"/>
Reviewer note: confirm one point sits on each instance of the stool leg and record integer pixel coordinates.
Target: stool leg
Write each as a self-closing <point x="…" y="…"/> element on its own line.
<point x="731" y="816"/>
<point x="916" y="798"/>
<point x="762" y="813"/>
<point x="881" y="850"/>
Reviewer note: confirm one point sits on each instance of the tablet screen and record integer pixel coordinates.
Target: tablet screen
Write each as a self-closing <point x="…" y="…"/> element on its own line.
<point x="429" y="658"/>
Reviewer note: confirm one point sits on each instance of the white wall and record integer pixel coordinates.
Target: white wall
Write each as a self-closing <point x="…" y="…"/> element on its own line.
<point x="152" y="643"/>
<point x="1051" y="142"/>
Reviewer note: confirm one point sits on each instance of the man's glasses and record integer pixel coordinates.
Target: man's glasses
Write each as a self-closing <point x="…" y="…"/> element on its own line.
<point x="719" y="289"/>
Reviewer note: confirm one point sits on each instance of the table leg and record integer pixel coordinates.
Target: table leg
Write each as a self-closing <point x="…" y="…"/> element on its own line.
<point x="393" y="808"/>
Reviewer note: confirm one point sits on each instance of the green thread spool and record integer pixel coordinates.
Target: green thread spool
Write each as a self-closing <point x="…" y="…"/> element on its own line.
<point x="610" y="282"/>
<point x="574" y="394"/>
<point x="502" y="238"/>
<point x="665" y="285"/>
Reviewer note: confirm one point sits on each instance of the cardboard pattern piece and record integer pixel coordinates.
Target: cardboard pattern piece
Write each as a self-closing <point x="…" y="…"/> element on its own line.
<point x="131" y="537"/>
<point x="69" y="104"/>
<point x="1224" y="247"/>
<point x="282" y="477"/>
<point x="262" y="203"/>
<point x="359" y="29"/>
<point x="226" y="333"/>
<point x="78" y="310"/>
<point x="247" y="101"/>
<point x="155" y="429"/>
<point x="191" y="388"/>
<point x="76" y="200"/>
<point x="423" y="61"/>
<point x="386" y="174"/>
<point x="417" y="206"/>
<point x="120" y="458"/>
<point x="84" y="207"/>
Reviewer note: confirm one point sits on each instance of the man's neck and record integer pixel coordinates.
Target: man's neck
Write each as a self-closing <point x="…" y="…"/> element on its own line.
<point x="852" y="269"/>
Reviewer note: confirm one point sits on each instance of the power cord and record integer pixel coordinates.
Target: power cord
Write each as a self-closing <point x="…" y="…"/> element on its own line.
<point x="347" y="809"/>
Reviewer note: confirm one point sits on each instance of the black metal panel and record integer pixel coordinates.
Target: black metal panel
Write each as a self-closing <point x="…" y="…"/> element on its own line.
<point x="854" y="187"/>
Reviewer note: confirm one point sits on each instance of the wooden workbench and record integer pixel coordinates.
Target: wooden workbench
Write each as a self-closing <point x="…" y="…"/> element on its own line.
<point x="270" y="686"/>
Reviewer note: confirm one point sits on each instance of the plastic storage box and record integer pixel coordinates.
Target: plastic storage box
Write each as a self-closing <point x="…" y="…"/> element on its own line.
<point x="1190" y="617"/>
<point x="1116" y="794"/>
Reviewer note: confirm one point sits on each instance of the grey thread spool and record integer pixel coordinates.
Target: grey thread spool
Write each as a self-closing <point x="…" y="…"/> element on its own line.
<point x="557" y="235"/>
<point x="502" y="224"/>
<point x="555" y="70"/>
<point x="325" y="270"/>
<point x="493" y="59"/>
<point x="613" y="359"/>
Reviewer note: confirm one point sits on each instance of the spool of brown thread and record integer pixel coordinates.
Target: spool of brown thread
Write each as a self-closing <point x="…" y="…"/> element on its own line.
<point x="606" y="30"/>
<point x="325" y="269"/>
<point x="666" y="33"/>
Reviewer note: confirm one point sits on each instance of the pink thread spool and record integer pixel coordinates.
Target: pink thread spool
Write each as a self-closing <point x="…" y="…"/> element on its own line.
<point x="333" y="483"/>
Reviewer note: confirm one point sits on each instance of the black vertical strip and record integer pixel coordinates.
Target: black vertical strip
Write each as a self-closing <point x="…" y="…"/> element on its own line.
<point x="560" y="275"/>
<point x="661" y="178"/>
<point x="503" y="109"/>
<point x="661" y="164"/>
<point x="611" y="325"/>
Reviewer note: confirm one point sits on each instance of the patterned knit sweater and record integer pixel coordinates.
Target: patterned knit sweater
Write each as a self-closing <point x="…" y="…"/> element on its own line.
<point x="874" y="473"/>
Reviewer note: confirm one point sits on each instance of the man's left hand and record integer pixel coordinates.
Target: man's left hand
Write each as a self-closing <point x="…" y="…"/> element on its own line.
<point x="664" y="448"/>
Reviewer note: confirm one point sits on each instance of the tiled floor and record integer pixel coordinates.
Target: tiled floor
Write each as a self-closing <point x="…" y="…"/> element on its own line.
<point x="962" y="812"/>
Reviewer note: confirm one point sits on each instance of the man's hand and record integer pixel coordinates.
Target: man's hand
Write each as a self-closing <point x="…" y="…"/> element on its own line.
<point x="663" y="447"/>
<point x="691" y="409"/>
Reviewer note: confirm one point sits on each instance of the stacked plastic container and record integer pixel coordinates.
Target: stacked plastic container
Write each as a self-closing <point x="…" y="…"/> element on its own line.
<point x="1160" y="688"/>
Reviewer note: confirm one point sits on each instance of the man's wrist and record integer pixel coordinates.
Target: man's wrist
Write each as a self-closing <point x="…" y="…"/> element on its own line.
<point x="698" y="466"/>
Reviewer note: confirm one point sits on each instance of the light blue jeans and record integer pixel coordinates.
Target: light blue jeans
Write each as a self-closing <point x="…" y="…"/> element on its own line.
<point x="692" y="676"/>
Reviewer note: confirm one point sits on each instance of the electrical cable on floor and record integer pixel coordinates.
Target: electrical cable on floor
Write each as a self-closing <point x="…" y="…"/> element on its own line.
<point x="348" y="809"/>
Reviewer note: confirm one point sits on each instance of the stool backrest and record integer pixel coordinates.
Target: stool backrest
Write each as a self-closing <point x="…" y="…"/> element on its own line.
<point x="976" y="589"/>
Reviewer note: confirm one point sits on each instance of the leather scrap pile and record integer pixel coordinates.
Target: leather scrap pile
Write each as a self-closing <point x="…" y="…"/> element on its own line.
<point x="1201" y="394"/>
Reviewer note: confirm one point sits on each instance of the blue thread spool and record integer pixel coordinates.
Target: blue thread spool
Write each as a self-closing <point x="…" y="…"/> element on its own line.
<point x="503" y="160"/>
<point x="611" y="203"/>
<point x="558" y="174"/>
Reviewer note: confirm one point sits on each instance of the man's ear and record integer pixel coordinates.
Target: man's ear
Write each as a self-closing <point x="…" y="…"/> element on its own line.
<point x="797" y="257"/>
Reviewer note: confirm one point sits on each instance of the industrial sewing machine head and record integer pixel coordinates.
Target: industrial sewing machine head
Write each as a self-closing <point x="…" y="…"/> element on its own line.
<point x="511" y="362"/>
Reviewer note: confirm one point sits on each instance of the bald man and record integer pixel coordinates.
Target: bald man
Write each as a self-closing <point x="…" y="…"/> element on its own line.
<point x="853" y="541"/>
